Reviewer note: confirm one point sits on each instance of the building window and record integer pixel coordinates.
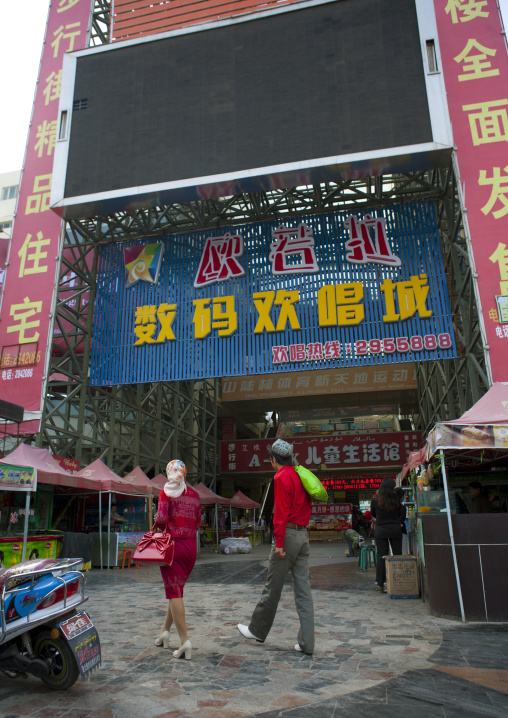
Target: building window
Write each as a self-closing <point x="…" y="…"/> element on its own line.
<point x="10" y="192"/>
<point x="432" y="57"/>
<point x="5" y="227"/>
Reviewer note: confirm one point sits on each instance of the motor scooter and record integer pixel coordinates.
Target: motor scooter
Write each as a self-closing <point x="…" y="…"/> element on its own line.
<point x="41" y="632"/>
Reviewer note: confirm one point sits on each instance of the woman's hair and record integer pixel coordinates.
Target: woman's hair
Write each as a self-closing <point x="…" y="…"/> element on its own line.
<point x="387" y="498"/>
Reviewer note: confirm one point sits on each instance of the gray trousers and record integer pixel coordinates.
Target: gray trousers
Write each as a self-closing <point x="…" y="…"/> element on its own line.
<point x="296" y="546"/>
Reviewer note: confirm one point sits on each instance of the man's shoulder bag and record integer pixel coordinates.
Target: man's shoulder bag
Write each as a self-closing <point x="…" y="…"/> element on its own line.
<point x="157" y="549"/>
<point x="311" y="483"/>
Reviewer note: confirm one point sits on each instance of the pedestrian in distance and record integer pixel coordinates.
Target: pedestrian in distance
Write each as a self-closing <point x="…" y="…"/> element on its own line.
<point x="389" y="515"/>
<point x="179" y="512"/>
<point x="290" y="552"/>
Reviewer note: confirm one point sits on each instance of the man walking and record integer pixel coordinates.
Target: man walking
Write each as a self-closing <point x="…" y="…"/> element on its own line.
<point x="290" y="553"/>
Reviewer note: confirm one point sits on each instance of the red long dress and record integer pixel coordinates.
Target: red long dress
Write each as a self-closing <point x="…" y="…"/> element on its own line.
<point x="182" y="516"/>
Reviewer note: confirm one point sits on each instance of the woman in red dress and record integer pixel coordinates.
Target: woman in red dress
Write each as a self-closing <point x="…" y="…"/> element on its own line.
<point x="180" y="511"/>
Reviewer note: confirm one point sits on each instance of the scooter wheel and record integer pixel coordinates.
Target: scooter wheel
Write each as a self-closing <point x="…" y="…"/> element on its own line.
<point x="56" y="652"/>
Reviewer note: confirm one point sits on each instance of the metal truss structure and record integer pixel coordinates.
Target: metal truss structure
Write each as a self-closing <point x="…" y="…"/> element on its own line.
<point x="148" y="424"/>
<point x="448" y="388"/>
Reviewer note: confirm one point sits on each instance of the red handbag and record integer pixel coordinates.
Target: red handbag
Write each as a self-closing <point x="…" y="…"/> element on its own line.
<point x="156" y="549"/>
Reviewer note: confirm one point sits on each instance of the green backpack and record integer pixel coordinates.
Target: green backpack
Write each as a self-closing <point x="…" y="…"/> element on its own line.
<point x="311" y="483"/>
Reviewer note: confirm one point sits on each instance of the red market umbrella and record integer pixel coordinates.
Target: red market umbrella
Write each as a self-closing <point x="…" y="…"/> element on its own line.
<point x="158" y="483"/>
<point x="208" y="498"/>
<point x="243" y="502"/>
<point x="49" y="470"/>
<point x="106" y="480"/>
<point x="140" y="480"/>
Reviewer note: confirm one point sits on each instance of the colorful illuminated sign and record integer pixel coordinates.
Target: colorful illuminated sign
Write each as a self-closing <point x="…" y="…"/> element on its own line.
<point x="319" y="292"/>
<point x="475" y="66"/>
<point x="348" y="452"/>
<point x="29" y="283"/>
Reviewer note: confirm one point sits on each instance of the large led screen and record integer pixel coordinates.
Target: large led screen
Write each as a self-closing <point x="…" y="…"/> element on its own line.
<point x="248" y="105"/>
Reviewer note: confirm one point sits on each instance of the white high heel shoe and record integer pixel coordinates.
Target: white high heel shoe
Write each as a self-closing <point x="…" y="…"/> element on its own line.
<point x="185" y="649"/>
<point x="163" y="639"/>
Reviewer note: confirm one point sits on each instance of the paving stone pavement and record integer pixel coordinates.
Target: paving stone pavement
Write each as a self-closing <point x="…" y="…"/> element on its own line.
<point x="373" y="654"/>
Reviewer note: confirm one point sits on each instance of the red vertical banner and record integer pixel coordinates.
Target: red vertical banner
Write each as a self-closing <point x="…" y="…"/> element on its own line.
<point x="29" y="286"/>
<point x="475" y="66"/>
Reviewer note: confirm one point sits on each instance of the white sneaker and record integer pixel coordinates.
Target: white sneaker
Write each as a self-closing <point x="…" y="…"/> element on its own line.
<point x="244" y="630"/>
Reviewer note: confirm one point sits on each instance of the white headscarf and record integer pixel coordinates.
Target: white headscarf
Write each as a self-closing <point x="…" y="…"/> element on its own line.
<point x="176" y="472"/>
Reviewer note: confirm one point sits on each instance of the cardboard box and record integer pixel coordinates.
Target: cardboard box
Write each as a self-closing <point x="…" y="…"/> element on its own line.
<point x="402" y="577"/>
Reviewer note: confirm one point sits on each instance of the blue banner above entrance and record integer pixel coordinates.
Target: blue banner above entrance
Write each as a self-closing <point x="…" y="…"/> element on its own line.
<point x="313" y="292"/>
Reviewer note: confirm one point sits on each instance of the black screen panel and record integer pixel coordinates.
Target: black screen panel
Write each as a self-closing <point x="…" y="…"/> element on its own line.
<point x="334" y="79"/>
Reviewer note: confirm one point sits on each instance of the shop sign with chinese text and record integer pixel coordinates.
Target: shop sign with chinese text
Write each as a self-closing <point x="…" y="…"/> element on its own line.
<point x="17" y="478"/>
<point x="29" y="284"/>
<point x="354" y="451"/>
<point x="475" y="66"/>
<point x="314" y="292"/>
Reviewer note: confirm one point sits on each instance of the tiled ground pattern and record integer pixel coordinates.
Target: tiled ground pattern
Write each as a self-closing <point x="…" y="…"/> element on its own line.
<point x="373" y="654"/>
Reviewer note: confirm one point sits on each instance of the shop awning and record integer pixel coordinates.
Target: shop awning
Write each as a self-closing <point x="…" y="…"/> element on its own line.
<point x="208" y="497"/>
<point x="492" y="408"/>
<point x="105" y="479"/>
<point x="138" y="478"/>
<point x="240" y="501"/>
<point x="49" y="470"/>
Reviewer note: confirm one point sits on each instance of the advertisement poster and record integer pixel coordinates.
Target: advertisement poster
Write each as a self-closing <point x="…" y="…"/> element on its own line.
<point x="320" y="292"/>
<point x="17" y="478"/>
<point x="475" y="67"/>
<point x="29" y="282"/>
<point x="11" y="549"/>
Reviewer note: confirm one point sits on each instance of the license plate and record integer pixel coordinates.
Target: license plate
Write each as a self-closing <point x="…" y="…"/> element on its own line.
<point x="83" y="638"/>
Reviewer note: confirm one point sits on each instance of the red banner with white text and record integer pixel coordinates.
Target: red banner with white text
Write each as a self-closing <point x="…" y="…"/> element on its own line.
<point x="475" y="66"/>
<point x="29" y="286"/>
<point x="346" y="451"/>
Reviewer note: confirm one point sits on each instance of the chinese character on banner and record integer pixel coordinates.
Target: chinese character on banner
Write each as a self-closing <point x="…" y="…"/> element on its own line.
<point x="465" y="10"/>
<point x="292" y="251"/>
<point x="368" y="242"/>
<point x="500" y="257"/>
<point x="219" y="260"/>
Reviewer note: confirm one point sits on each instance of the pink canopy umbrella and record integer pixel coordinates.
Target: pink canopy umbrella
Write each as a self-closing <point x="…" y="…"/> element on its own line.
<point x="158" y="483"/>
<point x="138" y="478"/>
<point x="208" y="498"/>
<point x="106" y="480"/>
<point x="49" y="470"/>
<point x="243" y="502"/>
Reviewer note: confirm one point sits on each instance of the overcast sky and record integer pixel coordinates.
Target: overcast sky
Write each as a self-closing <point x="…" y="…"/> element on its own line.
<point x="23" y="23"/>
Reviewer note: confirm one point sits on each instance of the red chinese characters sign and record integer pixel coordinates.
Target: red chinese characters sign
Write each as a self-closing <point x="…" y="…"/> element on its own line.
<point x="365" y="483"/>
<point x="324" y="452"/>
<point x="29" y="287"/>
<point x="475" y="66"/>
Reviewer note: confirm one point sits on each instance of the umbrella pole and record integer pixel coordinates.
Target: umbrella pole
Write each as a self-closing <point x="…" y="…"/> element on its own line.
<point x="25" y="532"/>
<point x="100" y="525"/>
<point x="231" y="519"/>
<point x="109" y="527"/>
<point x="217" y="525"/>
<point x="452" y="539"/>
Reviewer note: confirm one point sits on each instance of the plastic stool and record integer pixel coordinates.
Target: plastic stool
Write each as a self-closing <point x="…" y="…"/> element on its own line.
<point x="127" y="554"/>
<point x="367" y="557"/>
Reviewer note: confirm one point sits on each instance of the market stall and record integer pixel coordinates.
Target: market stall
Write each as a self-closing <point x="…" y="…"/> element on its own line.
<point x="208" y="498"/>
<point x="461" y="553"/>
<point x="106" y="482"/>
<point x="249" y="527"/>
<point x="18" y="508"/>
